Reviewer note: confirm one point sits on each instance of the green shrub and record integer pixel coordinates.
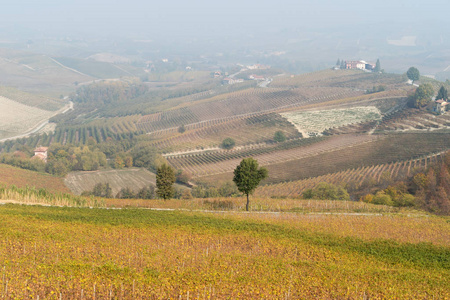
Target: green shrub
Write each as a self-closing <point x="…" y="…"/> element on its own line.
<point x="228" y="143"/>
<point x="326" y="191"/>
<point x="382" y="198"/>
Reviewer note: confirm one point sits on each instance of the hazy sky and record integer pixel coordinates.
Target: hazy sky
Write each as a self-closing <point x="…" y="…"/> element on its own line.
<point x="190" y="17"/>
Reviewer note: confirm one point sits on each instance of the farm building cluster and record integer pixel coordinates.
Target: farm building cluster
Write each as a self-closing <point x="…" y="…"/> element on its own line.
<point x="440" y="106"/>
<point x="355" y="64"/>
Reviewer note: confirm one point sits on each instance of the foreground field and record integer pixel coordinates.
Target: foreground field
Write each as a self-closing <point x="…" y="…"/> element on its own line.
<point x="68" y="253"/>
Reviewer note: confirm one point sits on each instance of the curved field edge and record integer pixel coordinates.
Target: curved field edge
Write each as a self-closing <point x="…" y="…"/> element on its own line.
<point x="155" y="254"/>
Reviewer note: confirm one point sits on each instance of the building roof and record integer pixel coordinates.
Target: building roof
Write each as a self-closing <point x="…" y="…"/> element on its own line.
<point x="257" y="76"/>
<point x="41" y="149"/>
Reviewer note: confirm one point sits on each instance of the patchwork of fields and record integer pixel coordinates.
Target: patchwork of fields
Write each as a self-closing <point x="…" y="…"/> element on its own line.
<point x="285" y="248"/>
<point x="313" y="123"/>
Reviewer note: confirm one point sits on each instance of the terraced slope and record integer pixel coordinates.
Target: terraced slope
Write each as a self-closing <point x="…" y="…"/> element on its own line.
<point x="351" y="177"/>
<point x="240" y="104"/>
<point x="209" y="164"/>
<point x="386" y="149"/>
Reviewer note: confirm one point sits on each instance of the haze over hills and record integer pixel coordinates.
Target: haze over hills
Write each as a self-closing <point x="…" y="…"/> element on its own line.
<point x="301" y="37"/>
<point x="224" y="150"/>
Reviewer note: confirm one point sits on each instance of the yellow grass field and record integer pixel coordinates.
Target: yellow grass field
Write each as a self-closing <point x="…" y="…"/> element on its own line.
<point x="83" y="253"/>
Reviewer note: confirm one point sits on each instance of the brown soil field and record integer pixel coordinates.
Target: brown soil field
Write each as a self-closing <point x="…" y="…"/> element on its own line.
<point x="19" y="177"/>
<point x="391" y="148"/>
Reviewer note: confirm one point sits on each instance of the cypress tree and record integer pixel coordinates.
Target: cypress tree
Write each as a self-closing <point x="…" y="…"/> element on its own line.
<point x="165" y="178"/>
<point x="442" y="94"/>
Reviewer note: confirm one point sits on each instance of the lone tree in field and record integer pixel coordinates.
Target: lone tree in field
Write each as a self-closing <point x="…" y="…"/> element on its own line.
<point x="165" y="178"/>
<point x="228" y="143"/>
<point x="181" y="129"/>
<point x="247" y="176"/>
<point x="413" y="74"/>
<point x="279" y="137"/>
<point x="442" y="94"/>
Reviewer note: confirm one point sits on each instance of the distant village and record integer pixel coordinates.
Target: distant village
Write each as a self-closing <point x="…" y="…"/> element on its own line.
<point x="230" y="79"/>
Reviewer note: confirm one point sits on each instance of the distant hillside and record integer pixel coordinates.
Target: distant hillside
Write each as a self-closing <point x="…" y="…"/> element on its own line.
<point x="19" y="177"/>
<point x="37" y="73"/>
<point x="32" y="99"/>
<point x="99" y="69"/>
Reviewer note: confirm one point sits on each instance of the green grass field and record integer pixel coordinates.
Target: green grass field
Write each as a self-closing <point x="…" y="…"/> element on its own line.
<point x="74" y="253"/>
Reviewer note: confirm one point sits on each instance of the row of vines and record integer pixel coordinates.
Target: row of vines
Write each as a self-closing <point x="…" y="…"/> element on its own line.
<point x="354" y="177"/>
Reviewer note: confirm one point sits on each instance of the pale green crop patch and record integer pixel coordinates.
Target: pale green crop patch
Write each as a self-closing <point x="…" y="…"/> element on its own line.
<point x="313" y="123"/>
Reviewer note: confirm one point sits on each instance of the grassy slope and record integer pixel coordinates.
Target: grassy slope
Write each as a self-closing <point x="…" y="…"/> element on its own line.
<point x="32" y="99"/>
<point x="37" y="73"/>
<point x="98" y="69"/>
<point x="19" y="177"/>
<point x="151" y="254"/>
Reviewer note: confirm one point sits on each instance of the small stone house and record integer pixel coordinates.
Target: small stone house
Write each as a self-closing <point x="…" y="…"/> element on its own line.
<point x="440" y="106"/>
<point x="41" y="153"/>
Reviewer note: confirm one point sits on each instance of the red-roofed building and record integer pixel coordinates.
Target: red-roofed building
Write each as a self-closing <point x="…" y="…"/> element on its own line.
<point x="355" y="65"/>
<point x="256" y="77"/>
<point x="441" y="106"/>
<point x="41" y="153"/>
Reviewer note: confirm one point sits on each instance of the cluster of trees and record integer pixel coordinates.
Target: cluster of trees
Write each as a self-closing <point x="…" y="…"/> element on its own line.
<point x="63" y="159"/>
<point x="428" y="190"/>
<point x="109" y="92"/>
<point x="341" y="64"/>
<point x="229" y="143"/>
<point x="104" y="190"/>
<point x="422" y="96"/>
<point x="60" y="161"/>
<point x="394" y="195"/>
<point x="326" y="191"/>
<point x="376" y="89"/>
<point x="22" y="160"/>
<point x="227" y="189"/>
